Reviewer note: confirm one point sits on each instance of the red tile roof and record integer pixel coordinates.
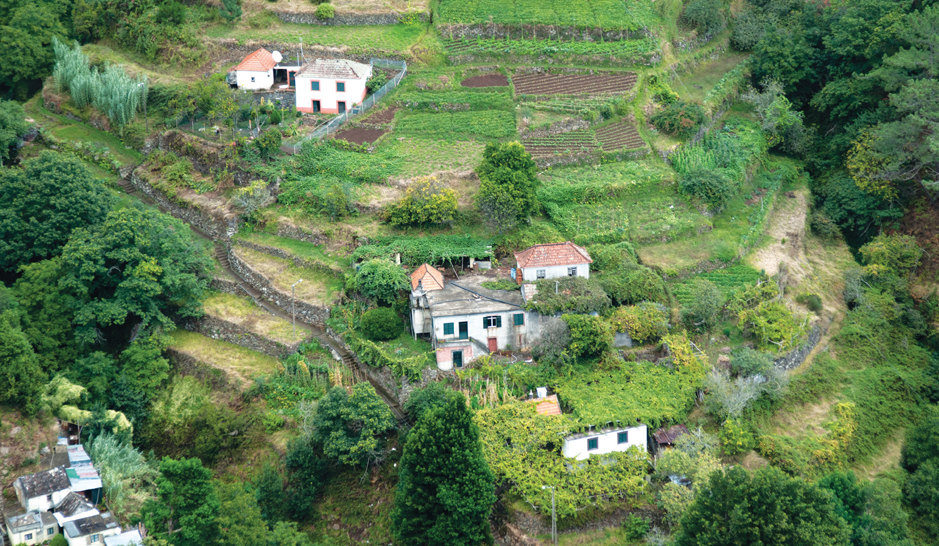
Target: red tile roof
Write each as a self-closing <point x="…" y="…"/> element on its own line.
<point x="553" y="254"/>
<point x="548" y="405"/>
<point x="335" y="69"/>
<point x="259" y="61"/>
<point x="428" y="276"/>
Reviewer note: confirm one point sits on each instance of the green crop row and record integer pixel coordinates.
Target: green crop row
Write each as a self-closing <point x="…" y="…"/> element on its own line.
<point x="455" y="100"/>
<point x="605" y="14"/>
<point x="569" y="106"/>
<point x="625" y="48"/>
<point x="491" y="124"/>
<point x="727" y="280"/>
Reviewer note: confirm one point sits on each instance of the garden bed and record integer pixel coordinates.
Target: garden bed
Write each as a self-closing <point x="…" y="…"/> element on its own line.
<point x="495" y="79"/>
<point x="573" y="84"/>
<point x="359" y="135"/>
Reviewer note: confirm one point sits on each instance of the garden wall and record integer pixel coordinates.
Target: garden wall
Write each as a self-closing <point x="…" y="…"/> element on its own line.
<point x="797" y="356"/>
<point x="218" y="328"/>
<point x="300" y="234"/>
<point x="300" y="262"/>
<point x="217" y="228"/>
<point x="239" y="49"/>
<point x="346" y="19"/>
<point x="312" y="314"/>
<point x="215" y="378"/>
<point x="206" y="157"/>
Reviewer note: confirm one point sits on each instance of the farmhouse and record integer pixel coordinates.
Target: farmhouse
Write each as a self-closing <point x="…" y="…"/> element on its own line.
<point x="262" y="69"/>
<point x="331" y="86"/>
<point x="607" y="440"/>
<point x="463" y="319"/>
<point x="43" y="490"/>
<point x="90" y="530"/>
<point x="33" y="527"/>
<point x="552" y="261"/>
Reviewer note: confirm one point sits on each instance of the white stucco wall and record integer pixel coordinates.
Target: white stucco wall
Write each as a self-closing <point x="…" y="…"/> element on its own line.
<point x="505" y="335"/>
<point x="86" y="539"/>
<point x="576" y="448"/>
<point x="327" y="95"/>
<point x="42" y="503"/>
<point x="555" y="272"/>
<point x="262" y="80"/>
<point x="38" y="535"/>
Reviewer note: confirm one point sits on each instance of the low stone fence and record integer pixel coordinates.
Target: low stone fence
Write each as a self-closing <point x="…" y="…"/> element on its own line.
<point x="528" y="32"/>
<point x="288" y="98"/>
<point x="299" y="262"/>
<point x="217" y="228"/>
<point x="312" y="314"/>
<point x="564" y="126"/>
<point x="221" y="329"/>
<point x="229" y="286"/>
<point x="347" y="19"/>
<point x="213" y="377"/>
<point x="300" y="234"/>
<point x="797" y="356"/>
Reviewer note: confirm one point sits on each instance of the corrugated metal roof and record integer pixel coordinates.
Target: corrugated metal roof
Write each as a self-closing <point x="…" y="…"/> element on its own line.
<point x="668" y="436"/>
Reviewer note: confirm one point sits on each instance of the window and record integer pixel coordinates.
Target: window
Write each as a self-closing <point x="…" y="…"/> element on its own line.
<point x="314" y="86"/>
<point x="540" y="273"/>
<point x="448" y="328"/>
<point x="519" y="319"/>
<point x="28" y="536"/>
<point x="252" y="78"/>
<point x="94" y="538"/>
<point x="50" y="531"/>
<point x="592" y="444"/>
<point x="49" y="498"/>
<point x="341" y="87"/>
<point x="494" y="321"/>
<point x="571" y="271"/>
<point x="622" y="437"/>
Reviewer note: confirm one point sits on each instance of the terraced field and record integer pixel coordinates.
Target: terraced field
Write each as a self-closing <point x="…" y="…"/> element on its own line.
<point x="619" y="136"/>
<point x="573" y="84"/>
<point x="574" y="142"/>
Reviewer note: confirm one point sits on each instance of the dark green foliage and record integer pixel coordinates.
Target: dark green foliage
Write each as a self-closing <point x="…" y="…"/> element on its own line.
<point x="612" y="257"/>
<point x="705" y="15"/>
<point x="42" y="203"/>
<point x="307" y="472"/>
<point x="21" y="376"/>
<point x="143" y="365"/>
<point x="765" y="508"/>
<point x="433" y="396"/>
<point x="590" y="336"/>
<point x="569" y="295"/>
<point x="872" y="510"/>
<point x="349" y="428"/>
<point x="812" y="301"/>
<point x="749" y="28"/>
<point x="381" y="324"/>
<point x="230" y="10"/>
<point x="631" y="285"/>
<point x="922" y="494"/>
<point x="95" y="372"/>
<point x="187" y="508"/>
<point x="857" y="213"/>
<point x="130" y="272"/>
<point x="747" y="362"/>
<point x="58" y="540"/>
<point x="710" y="186"/>
<point x="239" y="516"/>
<point x="130" y="401"/>
<point x="703" y="313"/>
<point x="171" y="13"/>
<point x="445" y="488"/>
<point x="268" y="144"/>
<point x="26" y="33"/>
<point x="381" y="281"/>
<point x="679" y="118"/>
<point x="12" y="127"/>
<point x="636" y="527"/>
<point x="45" y="314"/>
<point x="376" y="81"/>
<point x="823" y="226"/>
<point x="507" y="180"/>
<point x="276" y="117"/>
<point x="922" y="443"/>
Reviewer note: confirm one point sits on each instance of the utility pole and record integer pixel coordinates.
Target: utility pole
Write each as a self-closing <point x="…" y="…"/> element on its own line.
<point x="554" y="519"/>
<point x="293" y="300"/>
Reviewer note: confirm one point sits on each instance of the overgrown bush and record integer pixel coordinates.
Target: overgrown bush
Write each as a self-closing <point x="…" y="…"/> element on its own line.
<point x="679" y="118"/>
<point x="705" y="15"/>
<point x="590" y="336"/>
<point x="749" y="28"/>
<point x="773" y="324"/>
<point x="747" y="362"/>
<point x="381" y="281"/>
<point x="426" y="201"/>
<point x="325" y="12"/>
<point x="381" y="324"/>
<point x="569" y="295"/>
<point x="735" y="438"/>
<point x="171" y="13"/>
<point x="710" y="186"/>
<point x="644" y="322"/>
<point x="823" y="226"/>
<point x="812" y="301"/>
<point x="633" y="285"/>
<point x="891" y="255"/>
<point x="376" y="81"/>
<point x="552" y="346"/>
<point x="703" y="313"/>
<point x="612" y="257"/>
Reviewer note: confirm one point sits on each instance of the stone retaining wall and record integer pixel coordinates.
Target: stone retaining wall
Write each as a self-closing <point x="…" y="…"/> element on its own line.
<point x="221" y="329"/>
<point x="206" y="157"/>
<point x="563" y="126"/>
<point x="288" y="98"/>
<point x="797" y="356"/>
<point x="217" y="228"/>
<point x="300" y="234"/>
<point x="239" y="49"/>
<point x="307" y="312"/>
<point x="229" y="286"/>
<point x="213" y="377"/>
<point x="347" y="19"/>
<point x="528" y="32"/>
<point x="299" y="262"/>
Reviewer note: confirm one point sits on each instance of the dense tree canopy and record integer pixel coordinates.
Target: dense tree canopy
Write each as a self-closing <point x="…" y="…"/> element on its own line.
<point x="349" y="428"/>
<point x="187" y="510"/>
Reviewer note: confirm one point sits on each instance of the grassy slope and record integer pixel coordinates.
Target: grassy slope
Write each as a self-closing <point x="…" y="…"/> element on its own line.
<point x="239" y="362"/>
<point x="317" y="287"/>
<point x="245" y="312"/>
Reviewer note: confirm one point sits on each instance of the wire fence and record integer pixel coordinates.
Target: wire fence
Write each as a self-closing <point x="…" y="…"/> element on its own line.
<point x="334" y="124"/>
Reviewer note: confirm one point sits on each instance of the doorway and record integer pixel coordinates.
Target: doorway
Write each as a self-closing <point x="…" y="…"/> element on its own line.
<point x="493" y="344"/>
<point x="464" y="330"/>
<point x="457" y="359"/>
<point x="342" y="107"/>
<point x="316" y="106"/>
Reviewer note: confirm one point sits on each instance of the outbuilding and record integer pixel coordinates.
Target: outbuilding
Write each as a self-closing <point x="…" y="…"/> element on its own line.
<point x="42" y="490"/>
<point x="33" y="527"/>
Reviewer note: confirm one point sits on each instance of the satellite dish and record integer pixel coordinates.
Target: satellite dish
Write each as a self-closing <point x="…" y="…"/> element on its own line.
<point x="277" y="56"/>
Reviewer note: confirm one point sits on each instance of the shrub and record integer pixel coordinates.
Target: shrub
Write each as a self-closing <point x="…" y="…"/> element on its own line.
<point x="276" y="117"/>
<point x="711" y="187"/>
<point x="772" y="323"/>
<point x="705" y="15"/>
<point x="590" y="336"/>
<point x="679" y="118"/>
<point x="376" y="81"/>
<point x="381" y="280"/>
<point x="644" y="322"/>
<point x="552" y="346"/>
<point x="735" y="438"/>
<point x="58" y="540"/>
<point x="812" y="301"/>
<point x="702" y="314"/>
<point x="748" y="362"/>
<point x="612" y="257"/>
<point x="633" y="285"/>
<point x="635" y="527"/>
<point x="823" y="226"/>
<point x="325" y="12"/>
<point x="569" y="295"/>
<point x="434" y="395"/>
<point x="749" y="28"/>
<point x="891" y="254"/>
<point x="171" y="13"/>
<point x="426" y="201"/>
<point x="381" y="324"/>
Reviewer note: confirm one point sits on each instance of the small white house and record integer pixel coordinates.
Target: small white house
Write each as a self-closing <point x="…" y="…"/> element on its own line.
<point x="42" y="490"/>
<point x="331" y="86"/>
<point x="552" y="261"/>
<point x="73" y="507"/>
<point x="127" y="538"/>
<point x="608" y="440"/>
<point x="33" y="527"/>
<point x="256" y="71"/>
<point x="90" y="530"/>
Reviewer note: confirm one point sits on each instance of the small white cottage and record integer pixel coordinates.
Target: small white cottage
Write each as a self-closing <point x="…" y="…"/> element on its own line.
<point x="42" y="490"/>
<point x="608" y="440"/>
<point x="256" y="71"/>
<point x="331" y="86"/>
<point x="33" y="527"/>
<point x="552" y="261"/>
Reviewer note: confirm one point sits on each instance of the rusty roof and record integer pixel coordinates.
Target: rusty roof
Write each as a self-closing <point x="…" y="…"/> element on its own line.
<point x="553" y="254"/>
<point x="43" y="483"/>
<point x="548" y="405"/>
<point x="668" y="437"/>
<point x="257" y="61"/>
<point x="335" y="69"/>
<point x="432" y="278"/>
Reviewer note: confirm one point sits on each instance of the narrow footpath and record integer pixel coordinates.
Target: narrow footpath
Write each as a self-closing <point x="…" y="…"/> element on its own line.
<point x="349" y="359"/>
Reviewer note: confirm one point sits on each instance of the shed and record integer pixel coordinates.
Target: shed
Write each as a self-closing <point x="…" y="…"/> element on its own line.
<point x="91" y="529"/>
<point x="256" y="70"/>
<point x="666" y="437"/>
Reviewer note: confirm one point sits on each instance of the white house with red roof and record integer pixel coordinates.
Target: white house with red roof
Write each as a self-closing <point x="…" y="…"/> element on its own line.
<point x="256" y="71"/>
<point x="552" y="261"/>
<point x="331" y="86"/>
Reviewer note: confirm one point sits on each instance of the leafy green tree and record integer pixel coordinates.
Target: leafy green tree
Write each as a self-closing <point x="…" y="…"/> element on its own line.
<point x="908" y="145"/>
<point x="892" y="255"/>
<point x="269" y="492"/>
<point x="286" y="534"/>
<point x="705" y="15"/>
<point x="714" y="188"/>
<point x="95" y="372"/>
<point x="230" y="10"/>
<point x="873" y="510"/>
<point x="306" y="474"/>
<point x="747" y="362"/>
<point x="239" y="516"/>
<point x="130" y="272"/>
<point x="46" y="314"/>
<point x="12" y="126"/>
<point x="186" y="512"/>
<point x="590" y="336"/>
<point x="143" y="365"/>
<point x="126" y="399"/>
<point x="381" y="324"/>
<point x="42" y="203"/>
<point x="921" y="444"/>
<point x="445" y="488"/>
<point x="21" y="376"/>
<point x="922" y="494"/>
<point x="704" y="311"/>
<point x="26" y="39"/>
<point x="381" y="280"/>
<point x="508" y="170"/>
<point x="349" y="427"/>
<point x="749" y="28"/>
<point x="58" y="540"/>
<point x="268" y="143"/>
<point x="426" y="201"/>
<point x="498" y="208"/>
<point x="767" y="507"/>
<point x="434" y="395"/>
<point x="784" y="54"/>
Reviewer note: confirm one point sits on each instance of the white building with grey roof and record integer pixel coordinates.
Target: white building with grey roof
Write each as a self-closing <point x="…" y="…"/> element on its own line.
<point x="33" y="527"/>
<point x="331" y="86"/>
<point x="42" y="490"/>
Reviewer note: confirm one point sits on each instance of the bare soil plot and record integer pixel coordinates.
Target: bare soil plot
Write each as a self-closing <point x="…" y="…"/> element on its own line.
<point x="573" y="84"/>
<point x="494" y="79"/>
<point x="381" y="118"/>
<point x="619" y="136"/>
<point x="360" y="135"/>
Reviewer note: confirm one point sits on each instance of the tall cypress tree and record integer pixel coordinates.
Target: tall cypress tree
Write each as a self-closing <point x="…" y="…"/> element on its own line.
<point x="445" y="489"/>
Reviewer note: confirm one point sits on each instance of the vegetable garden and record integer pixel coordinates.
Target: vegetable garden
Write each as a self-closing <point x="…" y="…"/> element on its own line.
<point x="627" y="15"/>
<point x="629" y="51"/>
<point x="573" y="84"/>
<point x="727" y="280"/>
<point x="459" y="125"/>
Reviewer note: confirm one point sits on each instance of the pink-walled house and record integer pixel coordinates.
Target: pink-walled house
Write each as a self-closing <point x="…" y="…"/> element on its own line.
<point x="331" y="86"/>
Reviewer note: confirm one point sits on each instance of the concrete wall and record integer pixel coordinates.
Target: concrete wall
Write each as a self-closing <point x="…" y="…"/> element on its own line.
<point x="554" y="272"/>
<point x="576" y="448"/>
<point x="247" y="79"/>
<point x="327" y="95"/>
<point x="41" y="503"/>
<point x="445" y="355"/>
<point x="38" y="535"/>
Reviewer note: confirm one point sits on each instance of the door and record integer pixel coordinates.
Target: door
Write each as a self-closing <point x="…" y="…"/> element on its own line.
<point x="293" y="79"/>
<point x="457" y="359"/>
<point x="342" y="107"/>
<point x="493" y="345"/>
<point x="464" y="330"/>
<point x="316" y="106"/>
